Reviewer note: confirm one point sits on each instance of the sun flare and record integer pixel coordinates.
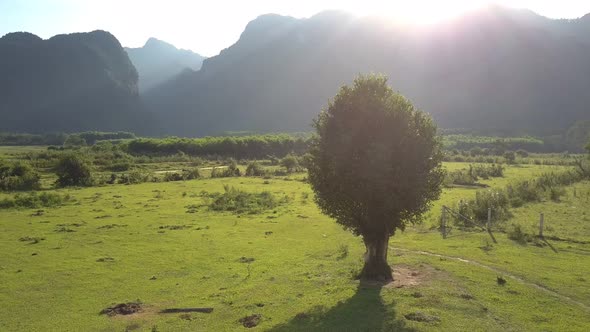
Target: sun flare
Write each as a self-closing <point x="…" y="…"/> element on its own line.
<point x="418" y="11"/>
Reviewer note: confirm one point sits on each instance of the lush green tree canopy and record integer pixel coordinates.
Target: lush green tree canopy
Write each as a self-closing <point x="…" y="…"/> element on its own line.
<point x="375" y="165"/>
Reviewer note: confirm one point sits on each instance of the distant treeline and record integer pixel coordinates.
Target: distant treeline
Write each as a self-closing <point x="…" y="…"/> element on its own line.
<point x="497" y="145"/>
<point x="83" y="138"/>
<point x="240" y="147"/>
<point x="251" y="145"/>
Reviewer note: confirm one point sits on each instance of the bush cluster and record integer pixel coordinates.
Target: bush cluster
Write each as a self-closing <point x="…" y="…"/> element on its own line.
<point x="18" y="176"/>
<point x="473" y="174"/>
<point x="34" y="200"/>
<point x="238" y="201"/>
<point x="546" y="186"/>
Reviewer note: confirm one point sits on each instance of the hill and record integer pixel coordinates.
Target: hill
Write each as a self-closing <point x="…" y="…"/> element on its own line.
<point x="73" y="82"/>
<point x="158" y="61"/>
<point x="496" y="69"/>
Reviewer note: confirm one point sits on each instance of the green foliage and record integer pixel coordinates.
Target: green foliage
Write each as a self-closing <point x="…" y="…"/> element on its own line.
<point x="134" y="177"/>
<point x="32" y="139"/>
<point x="255" y="169"/>
<point x="471" y="176"/>
<point x="74" y="141"/>
<point x="290" y="163"/>
<point x="488" y="145"/>
<point x="34" y="200"/>
<point x="240" y="147"/>
<point x="73" y="170"/>
<point x="376" y="161"/>
<point x="185" y="174"/>
<point x="510" y="157"/>
<point x="546" y="186"/>
<point x="516" y="233"/>
<point x="477" y="209"/>
<point x="18" y="176"/>
<point x="230" y="171"/>
<point x="238" y="201"/>
<point x="578" y="135"/>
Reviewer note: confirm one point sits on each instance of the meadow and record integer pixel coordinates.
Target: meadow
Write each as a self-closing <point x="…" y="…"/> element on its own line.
<point x="283" y="266"/>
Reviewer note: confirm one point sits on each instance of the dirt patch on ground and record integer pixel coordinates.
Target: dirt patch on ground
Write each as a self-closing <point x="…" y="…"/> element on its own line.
<point x="411" y="276"/>
<point x="421" y="317"/>
<point x="122" y="309"/>
<point x="251" y="321"/>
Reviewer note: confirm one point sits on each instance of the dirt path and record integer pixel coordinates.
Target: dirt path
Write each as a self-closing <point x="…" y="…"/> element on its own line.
<point x="500" y="272"/>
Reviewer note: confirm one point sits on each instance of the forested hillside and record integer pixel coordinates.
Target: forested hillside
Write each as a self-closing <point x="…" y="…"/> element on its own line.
<point x="497" y="69"/>
<point x="74" y="82"/>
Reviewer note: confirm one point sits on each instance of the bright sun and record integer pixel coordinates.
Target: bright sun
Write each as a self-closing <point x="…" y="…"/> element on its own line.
<point x="418" y="11"/>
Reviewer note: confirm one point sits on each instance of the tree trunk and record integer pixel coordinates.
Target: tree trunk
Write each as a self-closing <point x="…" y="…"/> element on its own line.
<point x="376" y="267"/>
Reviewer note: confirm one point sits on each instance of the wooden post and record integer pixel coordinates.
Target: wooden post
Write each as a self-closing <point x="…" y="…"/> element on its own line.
<point x="541" y="222"/>
<point x="489" y="225"/>
<point x="444" y="222"/>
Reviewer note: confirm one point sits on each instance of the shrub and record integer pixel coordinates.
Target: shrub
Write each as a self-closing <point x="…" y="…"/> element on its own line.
<point x="239" y="201"/>
<point x="134" y="177"/>
<point x="34" y="200"/>
<point x="516" y="233"/>
<point x="290" y="163"/>
<point x="186" y="174"/>
<point x="18" y="176"/>
<point x="73" y="170"/>
<point x="120" y="166"/>
<point x="255" y="169"/>
<point x="230" y="171"/>
<point x="510" y="157"/>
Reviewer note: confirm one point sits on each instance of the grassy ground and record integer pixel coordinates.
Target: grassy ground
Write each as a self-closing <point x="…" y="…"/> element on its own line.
<point x="158" y="243"/>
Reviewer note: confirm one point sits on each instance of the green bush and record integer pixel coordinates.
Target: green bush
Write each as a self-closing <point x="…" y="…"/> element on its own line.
<point x="73" y="170"/>
<point x="255" y="169"/>
<point x="239" y="201"/>
<point x="231" y="171"/>
<point x="186" y="174"/>
<point x="34" y="200"/>
<point x="134" y="177"/>
<point x="18" y="176"/>
<point x="290" y="163"/>
<point x="120" y="166"/>
<point x="516" y="233"/>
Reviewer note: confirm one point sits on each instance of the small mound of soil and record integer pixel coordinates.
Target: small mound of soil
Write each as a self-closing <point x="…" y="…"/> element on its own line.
<point x="251" y="321"/>
<point x="421" y="317"/>
<point x="122" y="309"/>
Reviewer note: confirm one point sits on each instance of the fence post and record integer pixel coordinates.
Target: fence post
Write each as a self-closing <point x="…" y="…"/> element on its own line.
<point x="489" y="224"/>
<point x="541" y="222"/>
<point x="444" y="222"/>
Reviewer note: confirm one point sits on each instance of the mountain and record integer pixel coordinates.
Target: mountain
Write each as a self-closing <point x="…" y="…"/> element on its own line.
<point x="158" y="62"/>
<point x="74" y="82"/>
<point x="494" y="69"/>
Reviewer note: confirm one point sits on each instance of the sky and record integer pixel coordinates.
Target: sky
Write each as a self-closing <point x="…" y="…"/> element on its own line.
<point x="207" y="27"/>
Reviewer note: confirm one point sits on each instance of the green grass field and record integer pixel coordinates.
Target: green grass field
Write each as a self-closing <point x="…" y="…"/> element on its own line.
<point x="159" y="244"/>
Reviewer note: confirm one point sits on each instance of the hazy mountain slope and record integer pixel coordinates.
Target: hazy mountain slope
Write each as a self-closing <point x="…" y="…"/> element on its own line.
<point x="80" y="81"/>
<point x="494" y="69"/>
<point x="158" y="61"/>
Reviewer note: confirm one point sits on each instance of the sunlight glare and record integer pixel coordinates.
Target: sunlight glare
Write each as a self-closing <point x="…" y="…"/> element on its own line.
<point x="419" y="11"/>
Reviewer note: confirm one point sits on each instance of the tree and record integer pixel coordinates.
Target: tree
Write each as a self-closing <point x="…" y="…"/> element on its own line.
<point x="375" y="165"/>
<point x="510" y="157"/>
<point x="73" y="170"/>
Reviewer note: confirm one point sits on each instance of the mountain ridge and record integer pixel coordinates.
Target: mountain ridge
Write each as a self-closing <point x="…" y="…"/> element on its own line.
<point x="497" y="69"/>
<point x="158" y="61"/>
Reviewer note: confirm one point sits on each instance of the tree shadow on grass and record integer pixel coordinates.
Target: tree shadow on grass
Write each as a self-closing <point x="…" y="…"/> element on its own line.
<point x="365" y="311"/>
